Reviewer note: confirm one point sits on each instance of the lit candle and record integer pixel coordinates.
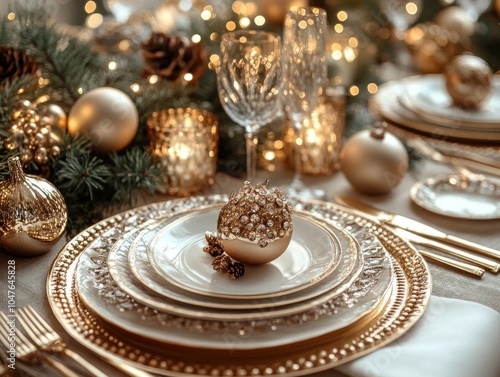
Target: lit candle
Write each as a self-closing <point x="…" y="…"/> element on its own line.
<point x="185" y="142"/>
<point x="320" y="138"/>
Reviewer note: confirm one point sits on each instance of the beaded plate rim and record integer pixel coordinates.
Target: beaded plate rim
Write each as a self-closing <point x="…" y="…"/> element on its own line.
<point x="407" y="304"/>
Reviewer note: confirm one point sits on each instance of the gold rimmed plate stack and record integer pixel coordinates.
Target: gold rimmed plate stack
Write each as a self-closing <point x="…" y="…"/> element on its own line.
<point x="358" y="287"/>
<point x="422" y="104"/>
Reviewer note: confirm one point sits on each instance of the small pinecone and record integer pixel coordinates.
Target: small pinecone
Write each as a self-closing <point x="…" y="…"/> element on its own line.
<point x="171" y="57"/>
<point x="213" y="250"/>
<point x="211" y="238"/>
<point x="221" y="263"/>
<point x="15" y="63"/>
<point x="236" y="270"/>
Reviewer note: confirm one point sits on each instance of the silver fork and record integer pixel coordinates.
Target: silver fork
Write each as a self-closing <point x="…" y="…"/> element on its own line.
<point x="25" y="350"/>
<point x="48" y="340"/>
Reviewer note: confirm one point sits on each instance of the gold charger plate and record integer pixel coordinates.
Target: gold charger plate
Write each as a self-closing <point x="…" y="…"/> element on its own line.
<point x="407" y="303"/>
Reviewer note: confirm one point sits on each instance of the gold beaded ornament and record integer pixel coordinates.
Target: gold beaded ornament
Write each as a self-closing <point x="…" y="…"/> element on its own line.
<point x="254" y="227"/>
<point x="34" y="132"/>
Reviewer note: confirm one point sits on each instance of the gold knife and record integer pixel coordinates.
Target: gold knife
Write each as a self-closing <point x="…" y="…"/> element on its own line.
<point x="477" y="259"/>
<point x="416" y="227"/>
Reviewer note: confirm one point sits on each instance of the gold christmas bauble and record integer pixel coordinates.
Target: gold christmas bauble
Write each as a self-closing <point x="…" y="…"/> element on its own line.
<point x="374" y="161"/>
<point x="35" y="133"/>
<point x="33" y="213"/>
<point x="468" y="81"/>
<point x="56" y="115"/>
<point x="455" y="18"/>
<point x="107" y="116"/>
<point x="255" y="226"/>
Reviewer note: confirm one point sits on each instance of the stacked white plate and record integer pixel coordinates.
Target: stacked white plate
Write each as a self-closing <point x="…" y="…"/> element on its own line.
<point x="422" y="104"/>
<point x="138" y="288"/>
<point x="161" y="264"/>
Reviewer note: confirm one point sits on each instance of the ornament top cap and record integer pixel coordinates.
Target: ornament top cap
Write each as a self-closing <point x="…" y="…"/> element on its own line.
<point x="378" y="132"/>
<point x="16" y="169"/>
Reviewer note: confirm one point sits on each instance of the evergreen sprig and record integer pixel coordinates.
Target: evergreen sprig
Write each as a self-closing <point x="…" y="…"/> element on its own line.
<point x="69" y="65"/>
<point x="135" y="173"/>
<point x="81" y="175"/>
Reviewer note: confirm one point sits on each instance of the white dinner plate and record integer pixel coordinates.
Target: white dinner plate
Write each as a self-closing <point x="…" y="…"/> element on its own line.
<point x="458" y="196"/>
<point x="366" y="296"/>
<point x="387" y="103"/>
<point x="351" y="263"/>
<point x="429" y="95"/>
<point x="176" y="254"/>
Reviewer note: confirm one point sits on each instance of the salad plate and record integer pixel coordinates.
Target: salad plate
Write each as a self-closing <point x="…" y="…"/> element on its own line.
<point x="176" y="254"/>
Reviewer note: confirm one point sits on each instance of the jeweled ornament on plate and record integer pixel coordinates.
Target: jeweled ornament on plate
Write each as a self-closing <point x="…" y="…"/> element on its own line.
<point x="255" y="226"/>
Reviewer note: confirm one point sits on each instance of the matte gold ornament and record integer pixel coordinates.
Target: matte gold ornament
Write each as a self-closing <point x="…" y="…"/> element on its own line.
<point x="255" y="226"/>
<point x="33" y="213"/>
<point x="468" y="81"/>
<point x="374" y="161"/>
<point x="35" y="132"/>
<point x="107" y="116"/>
<point x="455" y="18"/>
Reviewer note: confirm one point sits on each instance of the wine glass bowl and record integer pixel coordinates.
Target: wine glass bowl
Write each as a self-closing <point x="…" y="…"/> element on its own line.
<point x="304" y="51"/>
<point x="401" y="14"/>
<point x="249" y="82"/>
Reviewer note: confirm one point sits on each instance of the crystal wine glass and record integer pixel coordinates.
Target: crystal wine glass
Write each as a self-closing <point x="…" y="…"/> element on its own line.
<point x="474" y="8"/>
<point x="401" y="14"/>
<point x="249" y="83"/>
<point x="304" y="50"/>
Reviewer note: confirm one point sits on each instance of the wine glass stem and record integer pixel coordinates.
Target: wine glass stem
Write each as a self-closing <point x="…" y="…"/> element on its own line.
<point x="251" y="146"/>
<point x="297" y="177"/>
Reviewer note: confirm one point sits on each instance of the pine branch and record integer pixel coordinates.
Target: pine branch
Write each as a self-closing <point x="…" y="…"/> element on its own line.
<point x="65" y="61"/>
<point x="134" y="173"/>
<point x="80" y="175"/>
<point x="10" y="93"/>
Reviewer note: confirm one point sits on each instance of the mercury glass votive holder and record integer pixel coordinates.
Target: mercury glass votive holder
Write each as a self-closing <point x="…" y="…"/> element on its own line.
<point x="185" y="140"/>
<point x="319" y="140"/>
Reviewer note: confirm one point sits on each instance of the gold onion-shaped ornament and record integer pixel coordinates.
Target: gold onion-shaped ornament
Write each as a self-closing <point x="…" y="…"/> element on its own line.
<point x="255" y="225"/>
<point x="33" y="213"/>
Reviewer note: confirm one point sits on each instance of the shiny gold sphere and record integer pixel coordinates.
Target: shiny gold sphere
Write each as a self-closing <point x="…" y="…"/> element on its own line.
<point x="374" y="161"/>
<point x="107" y="116"/>
<point x="468" y="81"/>
<point x="455" y="18"/>
<point x="33" y="213"/>
<point x="57" y="116"/>
<point x="255" y="225"/>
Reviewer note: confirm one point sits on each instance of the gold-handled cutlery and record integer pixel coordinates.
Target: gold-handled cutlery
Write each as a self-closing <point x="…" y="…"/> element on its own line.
<point x="462" y="266"/>
<point x="476" y="259"/>
<point x="437" y="156"/>
<point x="27" y="351"/>
<point x="50" y="341"/>
<point x="416" y="227"/>
<point x="481" y="167"/>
